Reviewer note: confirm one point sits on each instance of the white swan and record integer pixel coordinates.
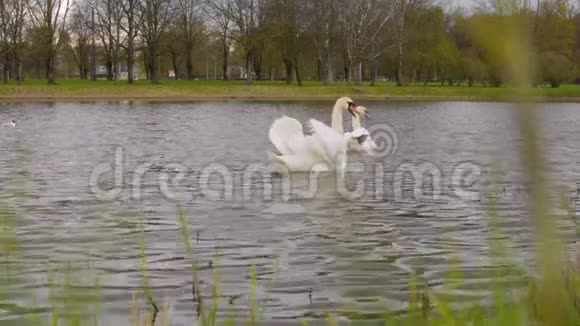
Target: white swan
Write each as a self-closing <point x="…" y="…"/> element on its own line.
<point x="12" y="124"/>
<point x="361" y="144"/>
<point x="323" y="150"/>
<point x="364" y="144"/>
<point x="342" y="104"/>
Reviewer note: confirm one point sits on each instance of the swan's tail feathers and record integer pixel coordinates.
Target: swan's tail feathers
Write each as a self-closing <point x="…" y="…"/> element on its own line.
<point x="284" y="133"/>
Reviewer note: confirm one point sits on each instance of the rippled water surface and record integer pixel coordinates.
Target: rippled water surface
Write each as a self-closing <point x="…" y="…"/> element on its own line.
<point x="328" y="252"/>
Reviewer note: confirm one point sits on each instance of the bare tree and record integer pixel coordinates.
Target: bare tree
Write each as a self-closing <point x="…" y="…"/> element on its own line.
<point x="285" y="24"/>
<point x="403" y="9"/>
<point x="505" y="7"/>
<point x="17" y="25"/>
<point x="190" y="26"/>
<point x="245" y="15"/>
<point x="111" y="21"/>
<point x="221" y="21"/>
<point x="13" y="14"/>
<point x="362" y="22"/>
<point x="172" y="44"/>
<point x="4" y="41"/>
<point x="155" y="17"/>
<point x="80" y="30"/>
<point x="130" y="29"/>
<point x="322" y="21"/>
<point x="104" y="10"/>
<point x="50" y="16"/>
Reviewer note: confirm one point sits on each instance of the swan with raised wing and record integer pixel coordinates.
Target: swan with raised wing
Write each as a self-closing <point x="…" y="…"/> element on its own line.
<point x="324" y="149"/>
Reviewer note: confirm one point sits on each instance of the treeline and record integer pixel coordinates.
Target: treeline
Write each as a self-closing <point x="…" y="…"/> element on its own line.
<point x="407" y="41"/>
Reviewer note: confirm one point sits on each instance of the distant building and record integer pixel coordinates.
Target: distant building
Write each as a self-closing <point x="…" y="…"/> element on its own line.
<point x="101" y="72"/>
<point x="237" y="72"/>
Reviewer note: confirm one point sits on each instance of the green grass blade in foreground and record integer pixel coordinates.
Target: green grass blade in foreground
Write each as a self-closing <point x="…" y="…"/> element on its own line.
<point x="216" y="292"/>
<point x="146" y="283"/>
<point x="186" y="239"/>
<point x="253" y="275"/>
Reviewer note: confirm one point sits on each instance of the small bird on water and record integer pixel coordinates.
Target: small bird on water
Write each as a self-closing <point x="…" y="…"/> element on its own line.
<point x="11" y="123"/>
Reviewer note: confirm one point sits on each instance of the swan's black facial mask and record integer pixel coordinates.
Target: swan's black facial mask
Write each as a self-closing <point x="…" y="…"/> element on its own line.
<point x="352" y="109"/>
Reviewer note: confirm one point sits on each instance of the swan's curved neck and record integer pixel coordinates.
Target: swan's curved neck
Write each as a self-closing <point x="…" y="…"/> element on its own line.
<point x="337" y="118"/>
<point x="356" y="123"/>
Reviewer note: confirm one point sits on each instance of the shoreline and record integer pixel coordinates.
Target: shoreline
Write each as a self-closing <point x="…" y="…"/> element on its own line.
<point x="272" y="91"/>
<point x="258" y="98"/>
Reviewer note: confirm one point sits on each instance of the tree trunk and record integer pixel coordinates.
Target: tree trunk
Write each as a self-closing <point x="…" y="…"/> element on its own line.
<point x="13" y="63"/>
<point x="400" y="78"/>
<point x="318" y="70"/>
<point x="328" y="66"/>
<point x="249" y="69"/>
<point x="153" y="64"/>
<point x="117" y="61"/>
<point x="147" y="62"/>
<point x="257" y="61"/>
<point x="348" y="67"/>
<point x="358" y="73"/>
<point x="130" y="46"/>
<point x="298" y="77"/>
<point x="50" y="71"/>
<point x="117" y="72"/>
<point x="130" y="63"/>
<point x="189" y="63"/>
<point x="19" y="70"/>
<point x="93" y="47"/>
<point x="50" y="64"/>
<point x="374" y="72"/>
<point x="225" y="57"/>
<point x="175" y="68"/>
<point x="109" y="67"/>
<point x="329" y="49"/>
<point x="6" y="74"/>
<point x="289" y="70"/>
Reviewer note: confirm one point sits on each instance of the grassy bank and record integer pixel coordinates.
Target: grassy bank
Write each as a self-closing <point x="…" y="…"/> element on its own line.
<point x="38" y="90"/>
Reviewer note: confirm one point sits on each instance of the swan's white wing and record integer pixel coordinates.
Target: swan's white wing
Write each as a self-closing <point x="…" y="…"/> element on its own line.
<point x="333" y="142"/>
<point x="287" y="135"/>
<point x="299" y="152"/>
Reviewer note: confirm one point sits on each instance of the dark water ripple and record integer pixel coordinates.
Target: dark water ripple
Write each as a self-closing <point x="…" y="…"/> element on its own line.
<point x="352" y="256"/>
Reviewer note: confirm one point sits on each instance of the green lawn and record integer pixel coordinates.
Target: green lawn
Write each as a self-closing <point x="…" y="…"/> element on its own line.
<point x="191" y="90"/>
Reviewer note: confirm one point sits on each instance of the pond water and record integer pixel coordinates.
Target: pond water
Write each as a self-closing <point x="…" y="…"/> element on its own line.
<point x="85" y="180"/>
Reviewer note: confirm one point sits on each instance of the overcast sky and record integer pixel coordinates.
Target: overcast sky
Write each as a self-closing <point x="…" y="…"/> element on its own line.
<point x="468" y="5"/>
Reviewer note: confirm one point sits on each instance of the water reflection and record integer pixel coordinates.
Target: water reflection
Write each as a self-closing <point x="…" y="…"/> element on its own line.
<point x="313" y="254"/>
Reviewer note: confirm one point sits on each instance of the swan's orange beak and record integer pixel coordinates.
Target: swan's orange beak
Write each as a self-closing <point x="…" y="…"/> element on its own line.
<point x="353" y="109"/>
